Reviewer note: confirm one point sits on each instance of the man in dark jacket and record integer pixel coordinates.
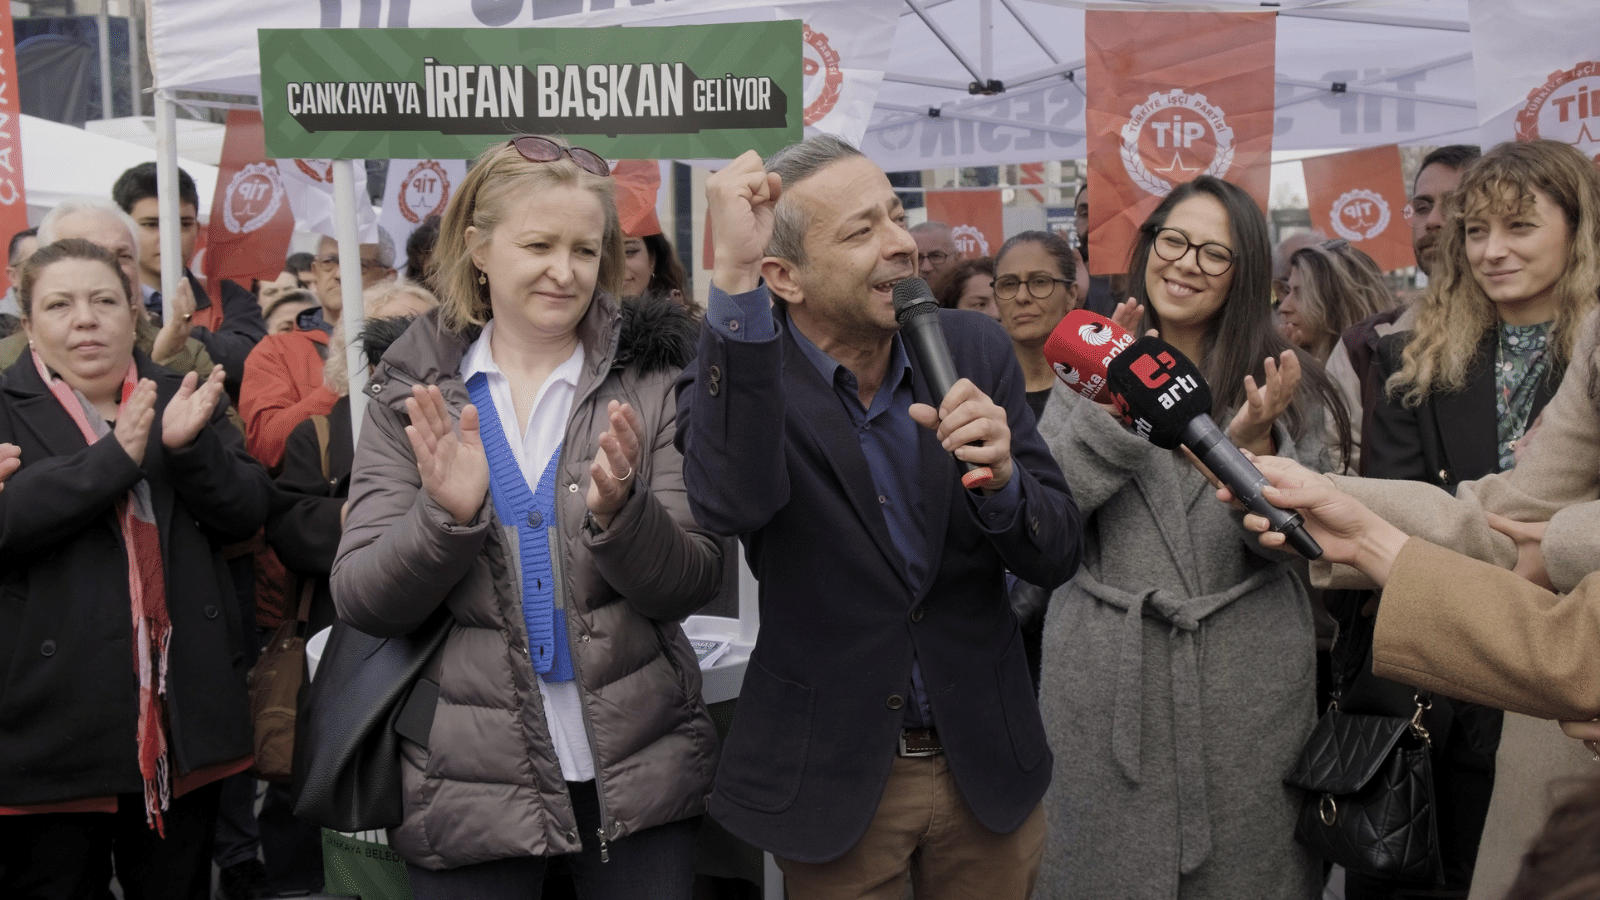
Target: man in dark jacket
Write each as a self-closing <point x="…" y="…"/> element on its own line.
<point x="230" y="326"/>
<point x="888" y="688"/>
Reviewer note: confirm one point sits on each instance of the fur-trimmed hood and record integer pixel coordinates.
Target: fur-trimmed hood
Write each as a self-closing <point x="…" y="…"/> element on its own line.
<point x="658" y="333"/>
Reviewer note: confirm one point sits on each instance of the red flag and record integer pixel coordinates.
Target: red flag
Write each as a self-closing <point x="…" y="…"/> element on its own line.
<point x="1359" y="196"/>
<point x="251" y="221"/>
<point x="13" y="201"/>
<point x="974" y="219"/>
<point x="1172" y="95"/>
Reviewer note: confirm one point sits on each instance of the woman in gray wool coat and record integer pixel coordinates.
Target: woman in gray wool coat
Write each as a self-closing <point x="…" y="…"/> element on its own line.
<point x="1179" y="672"/>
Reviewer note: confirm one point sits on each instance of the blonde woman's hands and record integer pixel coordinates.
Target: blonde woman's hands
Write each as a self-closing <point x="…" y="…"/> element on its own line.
<point x="611" y="474"/>
<point x="454" y="469"/>
<point x="1251" y="427"/>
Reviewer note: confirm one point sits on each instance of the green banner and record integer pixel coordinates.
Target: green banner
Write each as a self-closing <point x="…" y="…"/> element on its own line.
<point x="676" y="92"/>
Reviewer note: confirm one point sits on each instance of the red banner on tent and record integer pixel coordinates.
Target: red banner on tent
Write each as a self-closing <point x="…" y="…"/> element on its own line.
<point x="13" y="201"/>
<point x="1172" y="96"/>
<point x="251" y="222"/>
<point x="1359" y="196"/>
<point x="974" y="219"/>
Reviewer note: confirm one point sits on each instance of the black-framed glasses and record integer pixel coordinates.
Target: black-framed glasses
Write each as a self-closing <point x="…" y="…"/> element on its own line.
<point x="540" y="149"/>
<point x="1212" y="258"/>
<point x="936" y="257"/>
<point x="1039" y="285"/>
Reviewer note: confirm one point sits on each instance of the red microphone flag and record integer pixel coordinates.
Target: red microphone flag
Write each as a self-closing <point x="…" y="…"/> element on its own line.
<point x="1172" y="96"/>
<point x="1080" y="348"/>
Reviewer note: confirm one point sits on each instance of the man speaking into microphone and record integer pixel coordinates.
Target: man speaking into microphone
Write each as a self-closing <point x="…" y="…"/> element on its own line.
<point x="887" y="723"/>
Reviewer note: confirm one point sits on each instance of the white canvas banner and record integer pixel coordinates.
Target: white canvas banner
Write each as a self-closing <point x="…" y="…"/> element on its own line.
<point x="198" y="44"/>
<point x="415" y="190"/>
<point x="1538" y="71"/>
<point x="309" y="185"/>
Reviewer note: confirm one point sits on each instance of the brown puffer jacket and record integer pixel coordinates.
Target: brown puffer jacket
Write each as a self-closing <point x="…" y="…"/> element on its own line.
<point x="489" y="785"/>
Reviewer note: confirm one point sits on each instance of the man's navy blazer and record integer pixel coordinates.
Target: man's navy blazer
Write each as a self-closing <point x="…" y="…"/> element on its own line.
<point x="771" y="455"/>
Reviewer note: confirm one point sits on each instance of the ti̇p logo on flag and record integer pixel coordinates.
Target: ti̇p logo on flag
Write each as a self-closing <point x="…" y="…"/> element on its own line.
<point x="1174" y="137"/>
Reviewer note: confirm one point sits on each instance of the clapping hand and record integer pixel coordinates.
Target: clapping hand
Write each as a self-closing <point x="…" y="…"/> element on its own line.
<point x="615" y="463"/>
<point x="189" y="410"/>
<point x="10" y="462"/>
<point x="454" y="469"/>
<point x="175" y="328"/>
<point x="138" y="413"/>
<point x="1251" y="428"/>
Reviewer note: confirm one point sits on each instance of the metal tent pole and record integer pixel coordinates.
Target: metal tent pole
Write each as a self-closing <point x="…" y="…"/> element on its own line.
<point x="172" y="261"/>
<point x="352" y="316"/>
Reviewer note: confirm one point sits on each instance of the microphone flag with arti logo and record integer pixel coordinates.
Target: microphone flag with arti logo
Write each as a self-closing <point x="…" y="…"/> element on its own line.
<point x="1172" y="96"/>
<point x="1360" y="196"/>
<point x="1537" y="71"/>
<point x="974" y="218"/>
<point x="251" y="220"/>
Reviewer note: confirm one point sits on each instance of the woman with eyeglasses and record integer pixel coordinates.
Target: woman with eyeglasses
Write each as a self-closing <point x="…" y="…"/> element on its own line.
<point x="1512" y="279"/>
<point x="1179" y="675"/>
<point x="517" y="466"/>
<point x="1034" y="289"/>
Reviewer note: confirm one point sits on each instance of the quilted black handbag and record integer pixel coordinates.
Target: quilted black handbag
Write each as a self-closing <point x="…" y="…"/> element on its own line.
<point x="347" y="756"/>
<point x="1369" y="803"/>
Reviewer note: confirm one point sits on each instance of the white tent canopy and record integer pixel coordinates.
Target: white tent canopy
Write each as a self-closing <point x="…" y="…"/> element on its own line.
<point x="1404" y="65"/>
<point x="60" y="161"/>
<point x="1405" y="68"/>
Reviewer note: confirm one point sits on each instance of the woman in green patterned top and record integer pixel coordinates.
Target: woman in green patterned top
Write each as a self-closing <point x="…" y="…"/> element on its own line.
<point x="1518" y="266"/>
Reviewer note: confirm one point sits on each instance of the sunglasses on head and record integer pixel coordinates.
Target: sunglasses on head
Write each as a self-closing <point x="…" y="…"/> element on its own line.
<point x="535" y="148"/>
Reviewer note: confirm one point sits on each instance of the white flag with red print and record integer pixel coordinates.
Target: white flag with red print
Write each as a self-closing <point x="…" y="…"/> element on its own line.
<point x="417" y="189"/>
<point x="1538" y="71"/>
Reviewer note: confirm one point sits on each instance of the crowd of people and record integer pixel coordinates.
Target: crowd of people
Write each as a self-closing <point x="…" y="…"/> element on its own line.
<point x="1082" y="677"/>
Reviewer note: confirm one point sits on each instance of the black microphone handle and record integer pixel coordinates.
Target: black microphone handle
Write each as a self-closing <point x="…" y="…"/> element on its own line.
<point x="922" y="330"/>
<point x="1202" y="436"/>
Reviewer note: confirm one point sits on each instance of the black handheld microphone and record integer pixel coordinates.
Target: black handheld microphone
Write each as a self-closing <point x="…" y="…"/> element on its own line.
<point x="1170" y="405"/>
<point x="918" y="315"/>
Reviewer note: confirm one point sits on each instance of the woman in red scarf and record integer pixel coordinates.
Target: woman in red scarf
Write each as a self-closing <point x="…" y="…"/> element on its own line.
<point x="122" y="695"/>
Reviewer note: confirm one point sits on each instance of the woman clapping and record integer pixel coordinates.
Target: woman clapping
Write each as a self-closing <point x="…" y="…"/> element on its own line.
<point x="517" y="466"/>
<point x="122" y="680"/>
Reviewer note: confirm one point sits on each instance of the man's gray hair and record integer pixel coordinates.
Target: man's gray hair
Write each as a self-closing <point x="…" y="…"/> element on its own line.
<point x="794" y="164"/>
<point x="385" y="248"/>
<point x="86" y="206"/>
<point x="922" y="227"/>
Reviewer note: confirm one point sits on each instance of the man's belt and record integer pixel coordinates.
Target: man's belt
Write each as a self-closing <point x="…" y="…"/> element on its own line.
<point x="920" y="742"/>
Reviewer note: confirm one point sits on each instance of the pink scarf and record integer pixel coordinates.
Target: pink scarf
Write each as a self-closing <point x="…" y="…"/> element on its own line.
<point x="152" y="629"/>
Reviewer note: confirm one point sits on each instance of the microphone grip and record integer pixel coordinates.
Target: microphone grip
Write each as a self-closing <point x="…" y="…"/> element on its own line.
<point x="1225" y="461"/>
<point x="927" y="339"/>
<point x="1301" y="540"/>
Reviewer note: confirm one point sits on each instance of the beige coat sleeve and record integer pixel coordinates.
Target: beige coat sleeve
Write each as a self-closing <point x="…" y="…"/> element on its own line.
<point x="1467" y="629"/>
